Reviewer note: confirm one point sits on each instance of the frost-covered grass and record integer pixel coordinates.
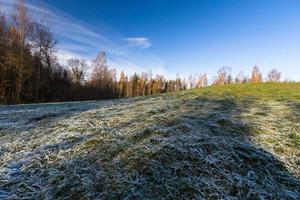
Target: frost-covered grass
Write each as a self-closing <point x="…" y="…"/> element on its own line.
<point x="228" y="142"/>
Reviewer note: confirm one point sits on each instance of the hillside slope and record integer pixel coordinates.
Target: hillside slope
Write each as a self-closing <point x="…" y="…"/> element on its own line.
<point x="228" y="142"/>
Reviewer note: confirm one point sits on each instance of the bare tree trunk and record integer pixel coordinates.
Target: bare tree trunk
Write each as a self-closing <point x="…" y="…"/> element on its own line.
<point x="21" y="64"/>
<point x="21" y="18"/>
<point x="37" y="87"/>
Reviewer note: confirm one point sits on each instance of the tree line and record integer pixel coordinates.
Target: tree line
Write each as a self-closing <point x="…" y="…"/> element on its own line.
<point x="224" y="77"/>
<point x="30" y="71"/>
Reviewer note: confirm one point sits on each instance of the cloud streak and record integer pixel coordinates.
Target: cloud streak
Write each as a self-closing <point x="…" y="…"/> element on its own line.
<point x="78" y="39"/>
<point x="140" y="42"/>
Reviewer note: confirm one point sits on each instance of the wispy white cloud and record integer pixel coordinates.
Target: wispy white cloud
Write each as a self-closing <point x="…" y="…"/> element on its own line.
<point x="78" y="39"/>
<point x="141" y="42"/>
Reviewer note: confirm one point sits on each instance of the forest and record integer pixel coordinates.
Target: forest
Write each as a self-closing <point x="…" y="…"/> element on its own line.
<point x="30" y="71"/>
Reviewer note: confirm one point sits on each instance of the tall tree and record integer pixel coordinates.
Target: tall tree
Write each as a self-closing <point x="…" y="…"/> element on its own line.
<point x="44" y="47"/>
<point x="122" y="85"/>
<point x="4" y="69"/>
<point x="22" y="25"/>
<point x="256" y="76"/>
<point x="100" y="70"/>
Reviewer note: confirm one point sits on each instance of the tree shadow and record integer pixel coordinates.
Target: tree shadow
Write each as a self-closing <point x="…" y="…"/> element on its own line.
<point x="195" y="148"/>
<point x="294" y="116"/>
<point x="209" y="154"/>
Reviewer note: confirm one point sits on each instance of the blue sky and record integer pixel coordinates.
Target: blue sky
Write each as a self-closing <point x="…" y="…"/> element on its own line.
<point x="180" y="36"/>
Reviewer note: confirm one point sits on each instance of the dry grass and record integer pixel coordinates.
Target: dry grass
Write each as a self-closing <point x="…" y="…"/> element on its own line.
<point x="231" y="142"/>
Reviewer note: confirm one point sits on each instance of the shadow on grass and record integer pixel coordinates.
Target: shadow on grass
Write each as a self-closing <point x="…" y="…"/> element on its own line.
<point x="214" y="158"/>
<point x="205" y="152"/>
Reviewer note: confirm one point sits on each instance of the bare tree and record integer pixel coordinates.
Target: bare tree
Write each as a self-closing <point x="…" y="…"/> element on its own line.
<point x="223" y="76"/>
<point x="22" y="24"/>
<point x="202" y="81"/>
<point x="274" y="75"/>
<point x="240" y="78"/>
<point x="191" y="81"/>
<point x="100" y="70"/>
<point x="3" y="52"/>
<point x="143" y="84"/>
<point x="78" y="70"/>
<point x="149" y="82"/>
<point x="178" y="83"/>
<point x="122" y="85"/>
<point x="112" y="82"/>
<point x="184" y="84"/>
<point x="160" y="79"/>
<point x="44" y="46"/>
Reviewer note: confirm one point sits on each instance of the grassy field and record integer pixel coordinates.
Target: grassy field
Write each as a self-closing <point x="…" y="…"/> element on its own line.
<point x="227" y="142"/>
